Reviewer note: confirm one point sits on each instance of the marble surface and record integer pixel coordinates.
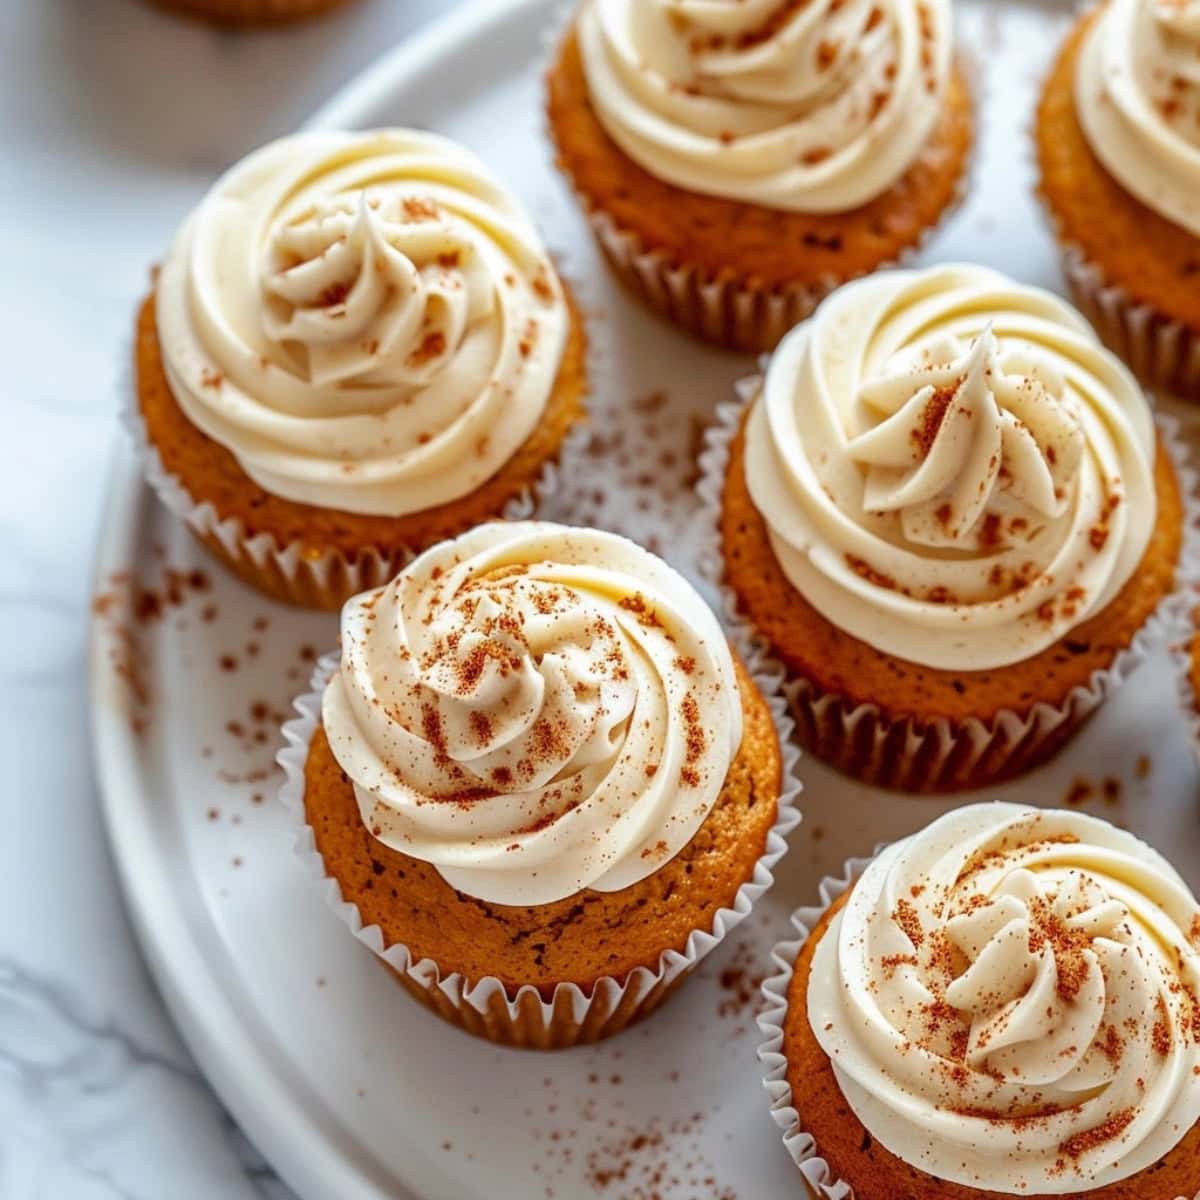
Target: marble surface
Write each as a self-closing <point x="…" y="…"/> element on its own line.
<point x="113" y="117"/>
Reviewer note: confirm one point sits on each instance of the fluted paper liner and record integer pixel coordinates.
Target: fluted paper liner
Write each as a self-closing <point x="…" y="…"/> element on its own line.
<point x="290" y="572"/>
<point x="800" y="1144"/>
<point x="771" y="1021"/>
<point x="485" y="1007"/>
<point x="938" y="755"/>
<point x="1162" y="352"/>
<point x="1181" y="662"/>
<point x="730" y="312"/>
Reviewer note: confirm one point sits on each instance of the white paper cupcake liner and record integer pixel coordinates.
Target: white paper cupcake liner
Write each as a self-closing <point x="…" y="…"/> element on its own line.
<point x="1164" y="353"/>
<point x="729" y="312"/>
<point x="291" y="572"/>
<point x="801" y="1146"/>
<point x="939" y="755"/>
<point x="1189" y="702"/>
<point x="487" y="1008"/>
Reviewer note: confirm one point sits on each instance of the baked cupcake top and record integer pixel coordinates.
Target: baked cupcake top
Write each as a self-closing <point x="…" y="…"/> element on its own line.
<point x="535" y="710"/>
<point x="1009" y="1001"/>
<point x="951" y="466"/>
<point x="1137" y="94"/>
<point x="367" y="321"/>
<point x="816" y="106"/>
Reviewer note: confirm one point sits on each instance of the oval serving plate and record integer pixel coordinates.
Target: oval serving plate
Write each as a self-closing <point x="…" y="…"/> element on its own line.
<point x="349" y="1088"/>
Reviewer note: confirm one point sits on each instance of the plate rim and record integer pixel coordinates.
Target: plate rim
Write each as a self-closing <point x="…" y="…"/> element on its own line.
<point x="243" y="1075"/>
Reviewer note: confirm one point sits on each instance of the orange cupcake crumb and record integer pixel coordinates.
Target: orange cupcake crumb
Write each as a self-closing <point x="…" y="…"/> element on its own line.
<point x="576" y="940"/>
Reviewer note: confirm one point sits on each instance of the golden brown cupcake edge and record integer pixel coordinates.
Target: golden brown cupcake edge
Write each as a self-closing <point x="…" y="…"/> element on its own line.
<point x="576" y="940"/>
<point x="839" y="664"/>
<point x="872" y="1171"/>
<point x="761" y="248"/>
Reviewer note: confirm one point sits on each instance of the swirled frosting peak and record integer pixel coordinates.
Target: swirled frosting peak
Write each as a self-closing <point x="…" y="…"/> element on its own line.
<point x="366" y="320"/>
<point x="811" y="106"/>
<point x="1137" y="95"/>
<point x="534" y="710"/>
<point x="1011" y="1001"/>
<point x="951" y="467"/>
<point x="964" y="435"/>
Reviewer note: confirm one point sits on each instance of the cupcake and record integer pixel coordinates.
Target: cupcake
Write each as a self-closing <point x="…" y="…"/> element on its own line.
<point x="356" y="347"/>
<point x="540" y="782"/>
<point x="1118" y="142"/>
<point x="1005" y="1004"/>
<point x="738" y="161"/>
<point x="946" y="508"/>
<point x="249" y="12"/>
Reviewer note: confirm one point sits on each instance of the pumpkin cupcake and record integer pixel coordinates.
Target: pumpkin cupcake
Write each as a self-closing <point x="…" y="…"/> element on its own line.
<point x="239" y="13"/>
<point x="356" y="347"/>
<point x="541" y="781"/>
<point x="946" y="508"/>
<point x="737" y="162"/>
<point x="1005" y="1004"/>
<point x="1118" y="142"/>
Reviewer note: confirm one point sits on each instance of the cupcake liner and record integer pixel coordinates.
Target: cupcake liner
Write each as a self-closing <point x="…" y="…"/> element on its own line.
<point x="570" y="1015"/>
<point x="292" y="573"/>
<point x="771" y="1021"/>
<point x="1163" y="352"/>
<point x="801" y="1145"/>
<point x="1189" y="702"/>
<point x="725" y="311"/>
<point x="939" y="755"/>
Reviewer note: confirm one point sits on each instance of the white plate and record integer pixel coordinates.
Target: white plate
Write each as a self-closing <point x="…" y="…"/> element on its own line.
<point x="348" y="1087"/>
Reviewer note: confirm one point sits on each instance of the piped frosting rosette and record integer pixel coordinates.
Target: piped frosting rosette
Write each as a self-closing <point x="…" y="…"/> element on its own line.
<point x="1009" y="1001"/>
<point x="815" y="107"/>
<point x="366" y="320"/>
<point x="951" y="466"/>
<point x="535" y="710"/>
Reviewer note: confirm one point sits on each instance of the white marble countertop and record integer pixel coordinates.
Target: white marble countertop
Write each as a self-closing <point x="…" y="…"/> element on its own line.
<point x="113" y="118"/>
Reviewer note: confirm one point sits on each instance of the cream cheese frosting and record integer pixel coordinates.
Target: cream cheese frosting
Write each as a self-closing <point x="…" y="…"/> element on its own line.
<point x="535" y="710"/>
<point x="816" y="106"/>
<point x="367" y="321"/>
<point x="1137" y="96"/>
<point x="951" y="467"/>
<point x="1009" y="1001"/>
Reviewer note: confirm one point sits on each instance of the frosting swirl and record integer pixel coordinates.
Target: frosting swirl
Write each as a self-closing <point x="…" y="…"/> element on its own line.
<point x="1137" y="96"/>
<point x="951" y="467"/>
<point x="534" y="710"/>
<point x="805" y="105"/>
<point x="366" y="320"/>
<point x="1009" y="1001"/>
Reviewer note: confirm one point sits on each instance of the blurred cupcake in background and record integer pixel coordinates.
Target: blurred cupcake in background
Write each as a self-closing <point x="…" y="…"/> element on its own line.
<point x="947" y="509"/>
<point x="538" y="781"/>
<point x="738" y="161"/>
<point x="249" y="12"/>
<point x="1118" y="141"/>
<point x="357" y="346"/>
